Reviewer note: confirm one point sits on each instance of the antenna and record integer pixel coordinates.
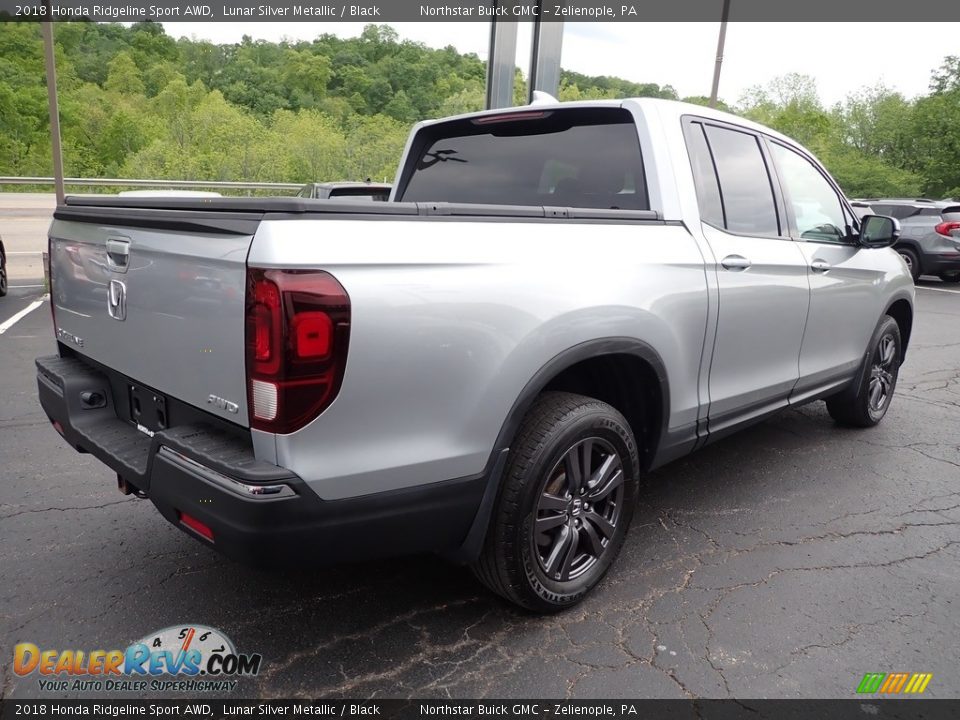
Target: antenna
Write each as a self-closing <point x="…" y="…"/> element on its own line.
<point x="543" y="98"/>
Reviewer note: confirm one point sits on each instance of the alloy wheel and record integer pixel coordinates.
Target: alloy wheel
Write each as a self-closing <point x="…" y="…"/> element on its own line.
<point x="578" y="509"/>
<point x="882" y="374"/>
<point x="908" y="259"/>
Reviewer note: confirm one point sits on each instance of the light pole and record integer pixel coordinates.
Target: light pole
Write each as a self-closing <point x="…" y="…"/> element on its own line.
<point x="720" y="42"/>
<point x="47" y="29"/>
<point x="501" y="62"/>
<point x="545" y="52"/>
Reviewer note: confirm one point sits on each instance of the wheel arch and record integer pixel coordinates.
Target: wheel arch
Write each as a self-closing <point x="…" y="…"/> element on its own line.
<point x="615" y="368"/>
<point x="901" y="310"/>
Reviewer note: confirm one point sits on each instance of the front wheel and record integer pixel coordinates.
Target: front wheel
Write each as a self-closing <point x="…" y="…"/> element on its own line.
<point x="865" y="405"/>
<point x="568" y="496"/>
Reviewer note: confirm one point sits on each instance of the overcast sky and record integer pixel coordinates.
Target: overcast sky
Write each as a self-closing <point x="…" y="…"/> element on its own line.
<point x="842" y="57"/>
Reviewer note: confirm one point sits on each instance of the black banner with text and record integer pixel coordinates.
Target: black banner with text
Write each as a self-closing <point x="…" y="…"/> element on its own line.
<point x="479" y="11"/>
<point x="528" y="709"/>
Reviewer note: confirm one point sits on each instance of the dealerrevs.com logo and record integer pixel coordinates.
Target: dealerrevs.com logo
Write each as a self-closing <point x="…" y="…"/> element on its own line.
<point x="180" y="658"/>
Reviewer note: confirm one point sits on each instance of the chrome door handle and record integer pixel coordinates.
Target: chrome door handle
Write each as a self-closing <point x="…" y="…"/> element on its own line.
<point x="735" y="263"/>
<point x="820" y="266"/>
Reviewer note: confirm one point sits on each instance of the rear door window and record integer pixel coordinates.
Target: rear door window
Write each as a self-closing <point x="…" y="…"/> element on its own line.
<point x="586" y="158"/>
<point x="704" y="176"/>
<point x="746" y="192"/>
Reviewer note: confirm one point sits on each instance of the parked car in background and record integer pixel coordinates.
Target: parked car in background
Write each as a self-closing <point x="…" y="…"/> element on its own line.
<point x="3" y="269"/>
<point x="378" y="192"/>
<point x="929" y="233"/>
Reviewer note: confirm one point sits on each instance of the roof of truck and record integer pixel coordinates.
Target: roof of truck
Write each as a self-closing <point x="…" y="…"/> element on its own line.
<point x="666" y="109"/>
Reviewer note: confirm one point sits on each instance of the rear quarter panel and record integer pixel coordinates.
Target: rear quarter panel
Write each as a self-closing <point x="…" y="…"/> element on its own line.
<point x="452" y="318"/>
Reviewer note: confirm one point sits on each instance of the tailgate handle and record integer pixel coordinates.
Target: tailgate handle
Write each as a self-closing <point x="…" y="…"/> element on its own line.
<point x="118" y="253"/>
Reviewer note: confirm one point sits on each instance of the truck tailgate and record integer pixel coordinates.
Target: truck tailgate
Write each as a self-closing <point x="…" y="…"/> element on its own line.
<point x="157" y="297"/>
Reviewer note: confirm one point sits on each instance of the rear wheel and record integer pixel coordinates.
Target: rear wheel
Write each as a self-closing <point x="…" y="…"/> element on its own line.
<point x="913" y="262"/>
<point x="567" y="500"/>
<point x="865" y="405"/>
<point x="3" y="274"/>
<point x="950" y="277"/>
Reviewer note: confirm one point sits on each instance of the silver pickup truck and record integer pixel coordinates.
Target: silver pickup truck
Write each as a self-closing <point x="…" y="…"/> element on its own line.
<point x="556" y="299"/>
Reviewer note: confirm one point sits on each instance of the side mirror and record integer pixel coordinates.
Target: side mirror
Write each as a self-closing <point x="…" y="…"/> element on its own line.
<point x="878" y="231"/>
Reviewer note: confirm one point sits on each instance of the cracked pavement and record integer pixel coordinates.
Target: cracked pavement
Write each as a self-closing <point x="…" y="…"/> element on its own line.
<point x="785" y="561"/>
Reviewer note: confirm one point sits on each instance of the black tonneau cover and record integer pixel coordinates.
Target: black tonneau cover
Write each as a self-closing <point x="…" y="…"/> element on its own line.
<point x="242" y="215"/>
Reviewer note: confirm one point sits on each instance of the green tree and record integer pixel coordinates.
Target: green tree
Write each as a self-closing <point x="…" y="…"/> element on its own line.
<point x="947" y="77"/>
<point x="123" y="76"/>
<point x="789" y="104"/>
<point x="309" y="146"/>
<point x="401" y="108"/>
<point x="705" y="101"/>
<point x="936" y="131"/>
<point x="305" y="77"/>
<point x="136" y="101"/>
<point x="876" y="121"/>
<point x="467" y="100"/>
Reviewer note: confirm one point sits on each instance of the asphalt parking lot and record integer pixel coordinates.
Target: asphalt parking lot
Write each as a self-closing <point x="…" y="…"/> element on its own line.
<point x="786" y="561"/>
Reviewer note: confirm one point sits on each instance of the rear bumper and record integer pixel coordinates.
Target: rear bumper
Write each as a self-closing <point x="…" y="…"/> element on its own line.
<point x="258" y="513"/>
<point x="939" y="263"/>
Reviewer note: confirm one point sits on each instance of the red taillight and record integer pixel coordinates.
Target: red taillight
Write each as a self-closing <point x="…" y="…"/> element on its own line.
<point x="195" y="525"/>
<point x="263" y="344"/>
<point x="266" y="317"/>
<point x="298" y="328"/>
<point x="312" y="335"/>
<point x="945" y="228"/>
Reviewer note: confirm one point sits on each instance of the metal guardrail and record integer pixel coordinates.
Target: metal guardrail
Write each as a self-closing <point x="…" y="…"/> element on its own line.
<point x="125" y="182"/>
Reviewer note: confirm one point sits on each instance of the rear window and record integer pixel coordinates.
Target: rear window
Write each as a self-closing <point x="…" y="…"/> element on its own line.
<point x="586" y="158"/>
<point x="900" y="212"/>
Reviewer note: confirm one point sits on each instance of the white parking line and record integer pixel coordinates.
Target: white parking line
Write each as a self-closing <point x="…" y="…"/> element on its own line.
<point x="952" y="292"/>
<point x="20" y="315"/>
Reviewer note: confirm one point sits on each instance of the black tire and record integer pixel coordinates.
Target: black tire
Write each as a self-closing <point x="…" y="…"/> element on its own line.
<point x="950" y="277"/>
<point x="561" y="427"/>
<point x="912" y="260"/>
<point x="866" y="404"/>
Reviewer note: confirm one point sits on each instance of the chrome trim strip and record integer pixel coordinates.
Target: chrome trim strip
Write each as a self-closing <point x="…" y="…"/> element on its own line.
<point x="250" y="492"/>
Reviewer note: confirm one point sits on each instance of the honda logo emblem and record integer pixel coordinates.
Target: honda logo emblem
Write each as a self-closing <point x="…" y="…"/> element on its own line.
<point x="117" y="300"/>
